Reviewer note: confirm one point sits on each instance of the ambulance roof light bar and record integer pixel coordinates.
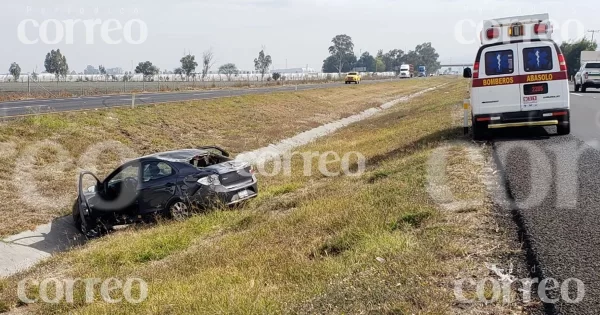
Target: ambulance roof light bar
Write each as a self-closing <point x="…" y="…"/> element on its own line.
<point x="524" y="28"/>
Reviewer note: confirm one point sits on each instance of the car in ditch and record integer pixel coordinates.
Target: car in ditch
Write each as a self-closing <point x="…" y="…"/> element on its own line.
<point x="174" y="184"/>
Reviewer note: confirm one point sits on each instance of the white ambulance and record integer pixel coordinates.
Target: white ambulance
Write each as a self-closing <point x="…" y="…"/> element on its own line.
<point x="519" y="77"/>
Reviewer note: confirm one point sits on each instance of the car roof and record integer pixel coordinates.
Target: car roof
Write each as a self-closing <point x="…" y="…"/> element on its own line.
<point x="184" y="155"/>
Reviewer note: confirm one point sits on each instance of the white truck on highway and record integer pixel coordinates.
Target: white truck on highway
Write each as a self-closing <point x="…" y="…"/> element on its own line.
<point x="406" y="71"/>
<point x="588" y="75"/>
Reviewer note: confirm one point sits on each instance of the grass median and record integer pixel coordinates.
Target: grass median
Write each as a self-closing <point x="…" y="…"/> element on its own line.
<point x="369" y="243"/>
<point x="40" y="156"/>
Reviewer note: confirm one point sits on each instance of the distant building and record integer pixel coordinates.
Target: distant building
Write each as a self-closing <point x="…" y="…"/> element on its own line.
<point x="114" y="71"/>
<point x="295" y="70"/>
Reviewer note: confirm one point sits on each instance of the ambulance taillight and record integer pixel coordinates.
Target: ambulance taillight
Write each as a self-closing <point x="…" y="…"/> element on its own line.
<point x="562" y="62"/>
<point x="476" y="70"/>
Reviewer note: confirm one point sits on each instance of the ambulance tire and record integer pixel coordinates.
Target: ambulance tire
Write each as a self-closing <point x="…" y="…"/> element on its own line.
<point x="479" y="133"/>
<point x="563" y="129"/>
<point x="577" y="87"/>
<point x="583" y="89"/>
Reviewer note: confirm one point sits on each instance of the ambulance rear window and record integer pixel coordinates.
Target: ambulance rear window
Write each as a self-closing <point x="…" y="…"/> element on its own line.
<point x="592" y="66"/>
<point x="499" y="62"/>
<point x="537" y="59"/>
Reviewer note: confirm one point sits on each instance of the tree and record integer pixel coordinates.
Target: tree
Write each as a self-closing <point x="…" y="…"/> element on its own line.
<point x="428" y="57"/>
<point x="572" y="52"/>
<point x="56" y="63"/>
<point x="147" y="69"/>
<point x="366" y="61"/>
<point x="179" y="72"/>
<point x="102" y="71"/>
<point x="379" y="65"/>
<point x="91" y="70"/>
<point x="15" y="70"/>
<point x="188" y="65"/>
<point x="228" y="69"/>
<point x="393" y="59"/>
<point x="207" y="62"/>
<point x="262" y="63"/>
<point x="330" y="65"/>
<point x="340" y="50"/>
<point x="276" y="76"/>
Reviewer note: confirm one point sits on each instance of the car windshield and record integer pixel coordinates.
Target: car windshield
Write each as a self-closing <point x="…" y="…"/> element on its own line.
<point x="592" y="66"/>
<point x="352" y="73"/>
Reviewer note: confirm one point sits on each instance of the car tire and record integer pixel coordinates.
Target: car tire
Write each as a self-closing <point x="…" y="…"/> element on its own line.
<point x="563" y="129"/>
<point x="583" y="89"/>
<point x="577" y="87"/>
<point x="179" y="210"/>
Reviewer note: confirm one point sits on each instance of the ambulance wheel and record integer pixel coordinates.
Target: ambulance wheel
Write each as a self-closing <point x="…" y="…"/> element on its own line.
<point x="478" y="132"/>
<point x="583" y="88"/>
<point x="577" y="87"/>
<point x="563" y="129"/>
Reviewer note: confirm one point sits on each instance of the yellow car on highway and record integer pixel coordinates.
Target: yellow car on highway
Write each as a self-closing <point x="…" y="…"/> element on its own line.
<point x="353" y="77"/>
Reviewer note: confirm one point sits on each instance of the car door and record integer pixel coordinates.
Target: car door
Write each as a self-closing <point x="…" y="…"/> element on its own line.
<point x="159" y="180"/>
<point x="544" y="85"/>
<point x="121" y="188"/>
<point x="497" y="88"/>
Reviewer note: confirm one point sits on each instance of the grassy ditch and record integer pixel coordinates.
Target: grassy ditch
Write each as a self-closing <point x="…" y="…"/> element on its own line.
<point x="372" y="243"/>
<point x="40" y="156"/>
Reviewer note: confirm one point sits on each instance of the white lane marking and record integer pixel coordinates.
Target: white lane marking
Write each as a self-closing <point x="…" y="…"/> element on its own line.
<point x="22" y="107"/>
<point x="576" y="94"/>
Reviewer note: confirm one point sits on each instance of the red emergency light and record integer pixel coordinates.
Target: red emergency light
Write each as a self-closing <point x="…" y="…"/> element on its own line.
<point x="541" y="28"/>
<point x="492" y="33"/>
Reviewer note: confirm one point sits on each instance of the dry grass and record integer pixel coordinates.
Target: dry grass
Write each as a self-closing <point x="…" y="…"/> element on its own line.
<point x="45" y="153"/>
<point x="375" y="243"/>
<point x="75" y="89"/>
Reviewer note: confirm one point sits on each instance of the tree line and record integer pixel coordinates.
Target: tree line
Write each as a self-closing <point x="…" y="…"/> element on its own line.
<point x="343" y="59"/>
<point x="56" y="63"/>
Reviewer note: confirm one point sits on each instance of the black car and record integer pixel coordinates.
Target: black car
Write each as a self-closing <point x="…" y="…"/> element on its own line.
<point x="170" y="183"/>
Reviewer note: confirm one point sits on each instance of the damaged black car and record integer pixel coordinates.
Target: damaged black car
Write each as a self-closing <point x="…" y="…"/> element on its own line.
<point x="173" y="184"/>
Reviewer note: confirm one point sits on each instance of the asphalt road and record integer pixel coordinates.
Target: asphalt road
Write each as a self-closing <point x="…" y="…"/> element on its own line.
<point x="554" y="185"/>
<point x="38" y="106"/>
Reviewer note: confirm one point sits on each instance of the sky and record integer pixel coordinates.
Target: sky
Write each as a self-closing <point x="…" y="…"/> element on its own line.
<point x="296" y="33"/>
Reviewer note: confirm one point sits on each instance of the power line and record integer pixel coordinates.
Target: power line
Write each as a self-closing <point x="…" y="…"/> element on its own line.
<point x="593" y="33"/>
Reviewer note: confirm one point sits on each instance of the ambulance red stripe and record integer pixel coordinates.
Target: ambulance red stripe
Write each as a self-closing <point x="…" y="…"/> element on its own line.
<point x="520" y="79"/>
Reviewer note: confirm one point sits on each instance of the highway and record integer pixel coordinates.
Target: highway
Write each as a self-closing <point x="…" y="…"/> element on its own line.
<point x="553" y="184"/>
<point x="38" y="106"/>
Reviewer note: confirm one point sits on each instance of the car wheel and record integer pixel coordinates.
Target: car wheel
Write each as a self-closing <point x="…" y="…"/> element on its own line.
<point x="583" y="88"/>
<point x="577" y="87"/>
<point x="179" y="211"/>
<point x="564" y="129"/>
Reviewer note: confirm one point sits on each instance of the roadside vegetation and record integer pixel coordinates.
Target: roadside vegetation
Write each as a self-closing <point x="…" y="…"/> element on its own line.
<point x="374" y="243"/>
<point x="42" y="155"/>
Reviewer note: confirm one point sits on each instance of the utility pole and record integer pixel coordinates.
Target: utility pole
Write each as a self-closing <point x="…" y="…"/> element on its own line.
<point x="593" y="33"/>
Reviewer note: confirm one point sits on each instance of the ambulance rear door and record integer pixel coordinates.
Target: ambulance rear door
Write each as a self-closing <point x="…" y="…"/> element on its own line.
<point x="543" y="84"/>
<point x="496" y="90"/>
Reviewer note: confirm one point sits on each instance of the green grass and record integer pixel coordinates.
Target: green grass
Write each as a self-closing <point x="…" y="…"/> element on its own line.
<point x="53" y="148"/>
<point x="310" y="244"/>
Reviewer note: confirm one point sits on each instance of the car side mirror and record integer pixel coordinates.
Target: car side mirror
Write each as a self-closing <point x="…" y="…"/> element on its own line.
<point x="467" y="73"/>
